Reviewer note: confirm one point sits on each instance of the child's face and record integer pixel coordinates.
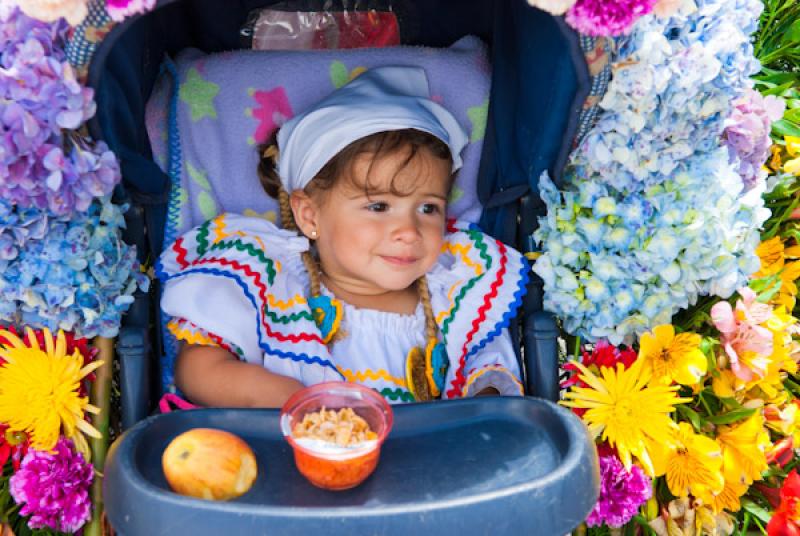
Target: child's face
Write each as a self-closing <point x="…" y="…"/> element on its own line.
<point x="371" y="241"/>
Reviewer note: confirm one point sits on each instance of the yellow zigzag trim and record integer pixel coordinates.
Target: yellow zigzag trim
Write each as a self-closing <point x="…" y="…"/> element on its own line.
<point x="192" y="337"/>
<point x="283" y="305"/>
<point x="492" y="368"/>
<point x="380" y="374"/>
<point x="219" y="229"/>
<point x="441" y="316"/>
<point x="462" y="250"/>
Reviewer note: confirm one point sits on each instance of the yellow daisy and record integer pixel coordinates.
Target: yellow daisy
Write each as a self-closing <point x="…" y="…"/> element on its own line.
<point x="625" y="410"/>
<point x="692" y="464"/>
<point x="744" y="449"/>
<point x="673" y="358"/>
<point x="39" y="389"/>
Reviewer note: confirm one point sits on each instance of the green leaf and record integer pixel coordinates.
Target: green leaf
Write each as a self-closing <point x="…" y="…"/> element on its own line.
<point x="778" y="90"/>
<point x="731" y="416"/>
<point x="783" y="127"/>
<point x="692" y="415"/>
<point x="756" y="510"/>
<point x="792" y="35"/>
<point x="792" y="115"/>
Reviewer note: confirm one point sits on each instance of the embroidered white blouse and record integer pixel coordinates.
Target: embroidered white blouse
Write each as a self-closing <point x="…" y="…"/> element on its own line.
<point x="239" y="282"/>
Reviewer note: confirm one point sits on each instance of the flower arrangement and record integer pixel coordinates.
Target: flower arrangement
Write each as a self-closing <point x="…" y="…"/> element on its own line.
<point x="653" y="213"/>
<point x="63" y="267"/>
<point x="43" y="411"/>
<point x="692" y="417"/>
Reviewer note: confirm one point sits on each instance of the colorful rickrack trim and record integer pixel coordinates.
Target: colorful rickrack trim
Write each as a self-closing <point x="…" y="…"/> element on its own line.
<point x="185" y="330"/>
<point x="394" y="395"/>
<point x="474" y="374"/>
<point x="362" y="376"/>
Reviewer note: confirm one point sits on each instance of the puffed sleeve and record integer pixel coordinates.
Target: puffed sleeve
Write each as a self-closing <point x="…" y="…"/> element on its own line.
<point x="239" y="283"/>
<point x="477" y="288"/>
<point x="495" y="365"/>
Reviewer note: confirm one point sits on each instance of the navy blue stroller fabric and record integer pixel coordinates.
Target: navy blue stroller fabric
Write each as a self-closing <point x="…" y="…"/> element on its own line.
<point x="539" y="83"/>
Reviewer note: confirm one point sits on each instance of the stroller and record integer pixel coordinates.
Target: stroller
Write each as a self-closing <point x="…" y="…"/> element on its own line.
<point x="538" y="474"/>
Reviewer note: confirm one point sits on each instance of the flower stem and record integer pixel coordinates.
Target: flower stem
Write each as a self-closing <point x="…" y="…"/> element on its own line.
<point x="100" y="397"/>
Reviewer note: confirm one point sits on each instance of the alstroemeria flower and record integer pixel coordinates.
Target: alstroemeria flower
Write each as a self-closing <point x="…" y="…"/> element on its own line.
<point x="747" y="344"/>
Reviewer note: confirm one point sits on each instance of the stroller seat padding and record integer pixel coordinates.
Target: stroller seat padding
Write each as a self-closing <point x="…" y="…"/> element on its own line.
<point x="204" y="130"/>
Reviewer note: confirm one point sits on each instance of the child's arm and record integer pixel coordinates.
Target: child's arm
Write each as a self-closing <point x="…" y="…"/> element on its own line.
<point x="212" y="376"/>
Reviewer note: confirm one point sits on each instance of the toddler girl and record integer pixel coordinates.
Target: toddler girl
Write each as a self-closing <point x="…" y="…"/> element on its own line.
<point x="367" y="282"/>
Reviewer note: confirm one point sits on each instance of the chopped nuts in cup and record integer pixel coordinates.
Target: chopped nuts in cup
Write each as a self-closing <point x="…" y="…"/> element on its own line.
<point x="343" y="427"/>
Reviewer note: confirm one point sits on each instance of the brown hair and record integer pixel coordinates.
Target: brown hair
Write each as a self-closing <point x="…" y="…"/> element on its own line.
<point x="378" y="145"/>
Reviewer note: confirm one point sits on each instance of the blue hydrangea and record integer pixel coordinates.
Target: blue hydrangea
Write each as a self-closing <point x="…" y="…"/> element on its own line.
<point x="66" y="273"/>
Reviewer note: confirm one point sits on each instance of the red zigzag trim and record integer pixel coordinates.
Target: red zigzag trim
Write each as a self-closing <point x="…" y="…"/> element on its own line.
<point x="457" y="385"/>
<point x="256" y="277"/>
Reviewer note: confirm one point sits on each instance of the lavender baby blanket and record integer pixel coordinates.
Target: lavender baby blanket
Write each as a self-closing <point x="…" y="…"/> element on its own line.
<point x="208" y="113"/>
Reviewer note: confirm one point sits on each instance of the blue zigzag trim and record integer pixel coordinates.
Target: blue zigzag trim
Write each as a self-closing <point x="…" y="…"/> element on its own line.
<point x="305" y="358"/>
<point x="522" y="289"/>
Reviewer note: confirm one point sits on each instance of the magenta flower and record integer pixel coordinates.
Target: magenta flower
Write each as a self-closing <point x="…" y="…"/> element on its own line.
<point x="747" y="133"/>
<point x="119" y="9"/>
<point x="53" y="488"/>
<point x="607" y="17"/>
<point x="622" y="492"/>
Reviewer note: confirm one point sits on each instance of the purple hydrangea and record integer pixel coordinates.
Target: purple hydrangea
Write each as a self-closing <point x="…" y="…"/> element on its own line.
<point x="607" y="17"/>
<point x="622" y="492"/>
<point x="747" y="131"/>
<point x="53" y="488"/>
<point x="41" y="164"/>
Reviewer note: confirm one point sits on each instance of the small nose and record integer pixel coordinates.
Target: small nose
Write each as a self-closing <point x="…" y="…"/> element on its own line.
<point x="406" y="229"/>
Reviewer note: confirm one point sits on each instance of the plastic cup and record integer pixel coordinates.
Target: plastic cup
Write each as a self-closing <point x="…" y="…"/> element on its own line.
<point x="344" y="468"/>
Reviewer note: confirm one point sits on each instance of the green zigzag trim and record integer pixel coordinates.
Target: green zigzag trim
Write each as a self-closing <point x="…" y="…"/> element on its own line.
<point x="202" y="238"/>
<point x="285" y="319"/>
<point x="398" y="393"/>
<point x="259" y="254"/>
<point x="477" y="238"/>
<point x="252" y="250"/>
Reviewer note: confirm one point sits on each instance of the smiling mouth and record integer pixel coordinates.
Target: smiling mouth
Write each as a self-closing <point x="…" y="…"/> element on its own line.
<point x="399" y="261"/>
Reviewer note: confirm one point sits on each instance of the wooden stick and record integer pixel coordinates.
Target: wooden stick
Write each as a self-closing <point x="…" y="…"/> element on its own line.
<point x="101" y="397"/>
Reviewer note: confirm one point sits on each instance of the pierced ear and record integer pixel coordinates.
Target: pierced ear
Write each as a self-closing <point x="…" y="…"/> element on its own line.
<point x="305" y="212"/>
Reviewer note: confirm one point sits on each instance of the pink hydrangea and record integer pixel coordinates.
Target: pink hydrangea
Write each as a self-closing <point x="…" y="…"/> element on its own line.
<point x="53" y="488"/>
<point x="607" y="17"/>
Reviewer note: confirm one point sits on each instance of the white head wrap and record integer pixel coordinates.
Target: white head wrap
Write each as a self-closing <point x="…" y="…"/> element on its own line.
<point x="379" y="100"/>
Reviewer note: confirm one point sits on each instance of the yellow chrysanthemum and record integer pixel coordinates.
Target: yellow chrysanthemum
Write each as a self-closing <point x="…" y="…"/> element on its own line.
<point x="691" y="463"/>
<point x="39" y="389"/>
<point x="626" y="410"/>
<point x="743" y="449"/>
<point x="672" y="358"/>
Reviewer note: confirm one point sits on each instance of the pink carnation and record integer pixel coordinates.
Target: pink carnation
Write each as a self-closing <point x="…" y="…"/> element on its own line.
<point x="53" y="488"/>
<point x="119" y="9"/>
<point x="607" y="17"/>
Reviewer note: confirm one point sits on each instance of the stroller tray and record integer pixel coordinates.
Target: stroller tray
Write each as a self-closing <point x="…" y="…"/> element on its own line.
<point x="476" y="466"/>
